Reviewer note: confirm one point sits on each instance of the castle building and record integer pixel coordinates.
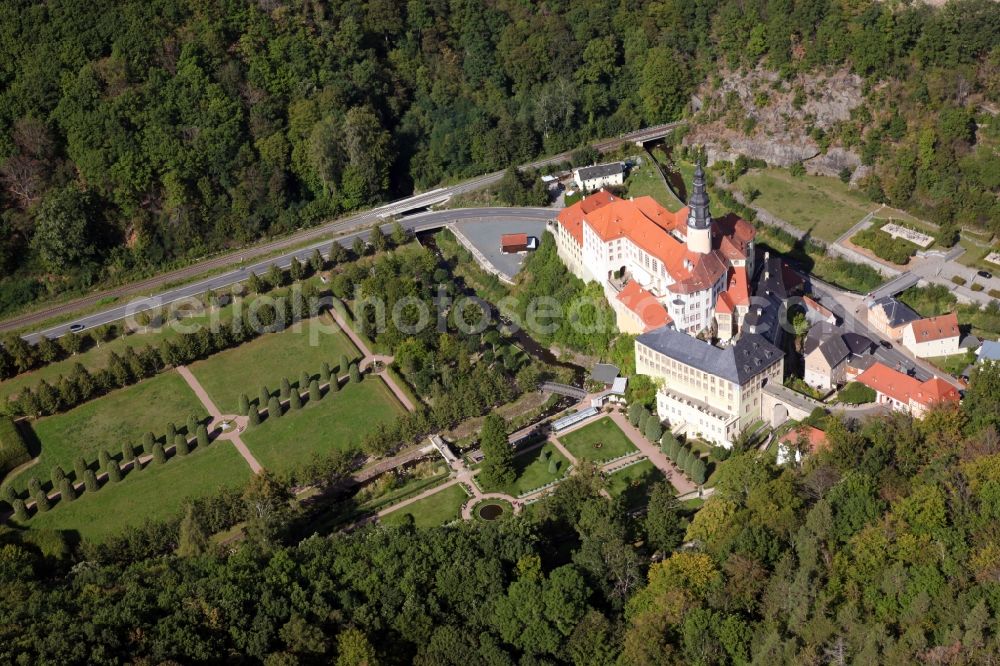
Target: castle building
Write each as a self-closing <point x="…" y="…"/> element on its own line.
<point x="659" y="268"/>
<point x="707" y="391"/>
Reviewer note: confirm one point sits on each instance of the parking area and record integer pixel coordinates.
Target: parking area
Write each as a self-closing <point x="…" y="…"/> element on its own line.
<point x="485" y="235"/>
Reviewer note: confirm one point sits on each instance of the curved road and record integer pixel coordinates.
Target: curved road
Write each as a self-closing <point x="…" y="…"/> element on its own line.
<point x="218" y="283"/>
<point x="354" y="223"/>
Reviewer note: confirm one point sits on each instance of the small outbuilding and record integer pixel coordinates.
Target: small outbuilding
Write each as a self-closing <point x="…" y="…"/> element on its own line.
<point x="514" y="243"/>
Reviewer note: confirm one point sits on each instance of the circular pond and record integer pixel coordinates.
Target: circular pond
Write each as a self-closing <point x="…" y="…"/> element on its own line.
<point x="490" y="511"/>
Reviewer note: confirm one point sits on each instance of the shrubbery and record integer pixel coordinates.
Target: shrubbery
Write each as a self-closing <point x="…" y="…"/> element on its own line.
<point x="13" y="449"/>
<point x="884" y="246"/>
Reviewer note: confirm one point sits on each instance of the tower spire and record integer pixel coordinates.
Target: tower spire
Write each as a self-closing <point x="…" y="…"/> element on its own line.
<point x="699" y="216"/>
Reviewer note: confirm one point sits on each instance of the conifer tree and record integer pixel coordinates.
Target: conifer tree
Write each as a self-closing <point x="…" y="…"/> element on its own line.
<point x="90" y="481"/>
<point x="148" y="440"/>
<point x="304" y="380"/>
<point x="265" y="395"/>
<point x="128" y="453"/>
<point x="66" y="490"/>
<point x="286" y="388"/>
<point x="203" y="440"/>
<point x="79" y="468"/>
<point x="314" y="393"/>
<point x="295" y="400"/>
<point x="273" y="407"/>
<point x="244" y="407"/>
<point x="355" y="373"/>
<point x="192" y="539"/>
<point x="253" y="417"/>
<point x="42" y="503"/>
<point x="57" y="476"/>
<point x="20" y="510"/>
<point x="104" y="458"/>
<point x="114" y="472"/>
<point x="325" y="373"/>
<point x="181" y="445"/>
<point x="344" y="362"/>
<point x="159" y="455"/>
<point x="192" y="425"/>
<point x="34" y="485"/>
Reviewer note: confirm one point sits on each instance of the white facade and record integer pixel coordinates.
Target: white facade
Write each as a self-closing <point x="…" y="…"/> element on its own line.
<point x="702" y="404"/>
<point x="595" y="183"/>
<point x="929" y="348"/>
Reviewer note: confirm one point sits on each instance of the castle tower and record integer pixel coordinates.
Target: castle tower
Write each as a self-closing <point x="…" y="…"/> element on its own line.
<point x="699" y="224"/>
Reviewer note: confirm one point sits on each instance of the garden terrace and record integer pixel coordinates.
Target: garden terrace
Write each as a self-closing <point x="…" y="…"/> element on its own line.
<point x="105" y="423"/>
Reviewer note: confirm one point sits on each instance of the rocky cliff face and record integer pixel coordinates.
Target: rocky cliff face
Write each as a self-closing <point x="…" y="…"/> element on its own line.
<point x="758" y="115"/>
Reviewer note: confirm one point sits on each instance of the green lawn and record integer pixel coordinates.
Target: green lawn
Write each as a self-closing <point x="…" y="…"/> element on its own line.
<point x="953" y="364"/>
<point x="270" y="358"/>
<point x="598" y="441"/>
<point x="105" y="423"/>
<point x="645" y="180"/>
<point x="634" y="482"/>
<point x="156" y="492"/>
<point x="532" y="469"/>
<point x="822" y="205"/>
<point x="338" y="421"/>
<point x="440" y="508"/>
<point x="96" y="357"/>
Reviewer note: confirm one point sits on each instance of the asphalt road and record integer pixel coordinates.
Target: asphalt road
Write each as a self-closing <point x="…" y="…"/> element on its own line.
<point x="415" y="223"/>
<point x="233" y="259"/>
<point x="893" y="358"/>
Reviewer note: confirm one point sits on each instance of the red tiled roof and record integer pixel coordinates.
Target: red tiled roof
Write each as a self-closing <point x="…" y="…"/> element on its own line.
<point x="660" y="233"/>
<point x="571" y="217"/>
<point x="513" y="239"/>
<point x="904" y="388"/>
<point x="935" y="328"/>
<point x="724" y="303"/>
<point x="649" y="310"/>
<point x="738" y="287"/>
<point x="815" y="437"/>
<point x="813" y="305"/>
<point x="936" y="390"/>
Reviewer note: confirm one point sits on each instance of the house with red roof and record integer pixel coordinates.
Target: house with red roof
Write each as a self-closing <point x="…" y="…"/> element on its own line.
<point x="933" y="336"/>
<point x="800" y="441"/>
<point x="683" y="261"/>
<point x="905" y="393"/>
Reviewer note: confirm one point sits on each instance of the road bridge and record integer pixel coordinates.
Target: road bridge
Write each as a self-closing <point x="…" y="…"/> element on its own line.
<point x="563" y="389"/>
<point x="234" y="260"/>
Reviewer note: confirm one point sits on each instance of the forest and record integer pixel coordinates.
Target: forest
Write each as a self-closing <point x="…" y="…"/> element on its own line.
<point x="879" y="548"/>
<point x="137" y="135"/>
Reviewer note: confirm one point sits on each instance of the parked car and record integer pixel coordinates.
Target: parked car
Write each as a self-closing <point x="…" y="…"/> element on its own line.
<point x="76" y="328"/>
<point x="986" y="275"/>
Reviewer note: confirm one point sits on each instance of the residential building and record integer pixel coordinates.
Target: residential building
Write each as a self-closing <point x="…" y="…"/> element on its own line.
<point x="658" y="267"/>
<point x="830" y="355"/>
<point x="988" y="351"/>
<point x="933" y="336"/>
<point x="800" y="441"/>
<point x="592" y="178"/>
<point x="905" y="393"/>
<point x="707" y="391"/>
<point x="890" y="317"/>
<point x="816" y="313"/>
<point x="767" y="314"/>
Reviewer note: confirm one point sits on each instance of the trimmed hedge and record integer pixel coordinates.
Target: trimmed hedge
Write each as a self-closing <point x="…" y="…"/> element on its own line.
<point x="13" y="449"/>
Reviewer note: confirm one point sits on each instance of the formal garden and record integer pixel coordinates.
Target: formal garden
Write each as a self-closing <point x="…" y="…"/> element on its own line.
<point x="599" y="441"/>
<point x="633" y="482"/>
<point x="535" y="469"/>
<point x="120" y="418"/>
<point x="305" y="347"/>
<point x="437" y="509"/>
<point x="339" y="421"/>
